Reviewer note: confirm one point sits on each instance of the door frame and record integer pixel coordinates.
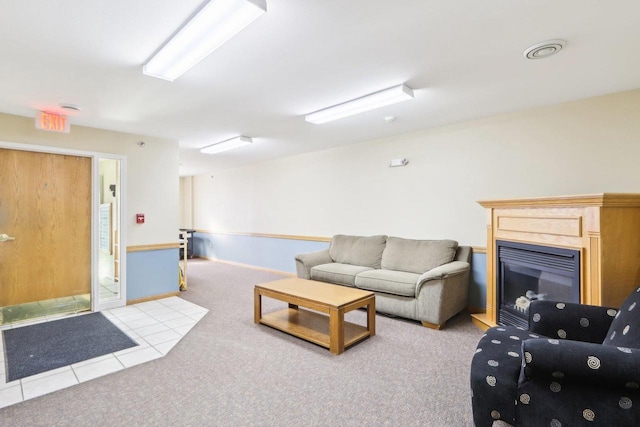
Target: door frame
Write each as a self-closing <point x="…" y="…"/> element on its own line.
<point x="96" y="304"/>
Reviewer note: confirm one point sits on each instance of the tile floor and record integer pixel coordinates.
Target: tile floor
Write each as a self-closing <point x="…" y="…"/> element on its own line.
<point x="157" y="326"/>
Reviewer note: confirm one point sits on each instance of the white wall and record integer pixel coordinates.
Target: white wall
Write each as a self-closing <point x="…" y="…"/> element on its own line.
<point x="186" y="202"/>
<point x="152" y="172"/>
<point x="582" y="147"/>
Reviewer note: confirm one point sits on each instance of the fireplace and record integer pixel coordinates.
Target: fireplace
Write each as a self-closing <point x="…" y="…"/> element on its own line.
<point x="527" y="272"/>
<point x="602" y="229"/>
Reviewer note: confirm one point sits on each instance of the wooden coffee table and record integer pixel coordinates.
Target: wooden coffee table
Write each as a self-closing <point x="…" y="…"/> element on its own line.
<point x="328" y="331"/>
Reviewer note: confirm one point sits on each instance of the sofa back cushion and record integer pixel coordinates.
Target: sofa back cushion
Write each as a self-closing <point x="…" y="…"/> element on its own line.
<point x="625" y="328"/>
<point x="357" y="250"/>
<point x="417" y="256"/>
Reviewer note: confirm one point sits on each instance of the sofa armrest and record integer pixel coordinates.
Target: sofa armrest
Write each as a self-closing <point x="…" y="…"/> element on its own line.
<point x="442" y="272"/>
<point x="580" y="362"/>
<point x="442" y="292"/>
<point x="305" y="262"/>
<point x="576" y="322"/>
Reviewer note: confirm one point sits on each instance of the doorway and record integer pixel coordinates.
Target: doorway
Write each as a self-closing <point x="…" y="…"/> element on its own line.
<point x="50" y="210"/>
<point x="45" y="209"/>
<point x="108" y="226"/>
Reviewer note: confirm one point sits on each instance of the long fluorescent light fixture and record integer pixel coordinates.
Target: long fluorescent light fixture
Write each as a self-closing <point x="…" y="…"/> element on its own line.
<point x="213" y="25"/>
<point x="228" y="144"/>
<point x="368" y="102"/>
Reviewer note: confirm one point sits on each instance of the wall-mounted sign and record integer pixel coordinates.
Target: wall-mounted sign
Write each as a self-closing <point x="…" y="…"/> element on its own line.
<point x="52" y="122"/>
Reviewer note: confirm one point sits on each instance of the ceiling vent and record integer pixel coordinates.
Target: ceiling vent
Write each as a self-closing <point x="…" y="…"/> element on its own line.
<point x="544" y="49"/>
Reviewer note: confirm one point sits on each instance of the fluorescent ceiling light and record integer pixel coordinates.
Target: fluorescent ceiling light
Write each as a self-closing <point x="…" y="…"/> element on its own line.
<point x="217" y="22"/>
<point x="368" y="102"/>
<point x="238" y="141"/>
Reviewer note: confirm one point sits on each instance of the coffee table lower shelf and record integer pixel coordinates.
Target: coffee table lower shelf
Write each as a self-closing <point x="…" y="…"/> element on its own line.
<point x="312" y="326"/>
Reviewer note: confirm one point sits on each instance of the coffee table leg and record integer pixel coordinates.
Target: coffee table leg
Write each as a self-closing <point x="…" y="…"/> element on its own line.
<point x="257" y="305"/>
<point x="336" y="331"/>
<point x="371" y="317"/>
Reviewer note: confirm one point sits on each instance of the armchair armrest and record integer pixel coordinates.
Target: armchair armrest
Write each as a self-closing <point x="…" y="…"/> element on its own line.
<point x="305" y="262"/>
<point x="577" y="322"/>
<point x="580" y="362"/>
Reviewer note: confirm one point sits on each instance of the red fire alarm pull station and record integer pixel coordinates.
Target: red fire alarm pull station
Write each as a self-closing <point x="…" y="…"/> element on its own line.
<point x="139" y="218"/>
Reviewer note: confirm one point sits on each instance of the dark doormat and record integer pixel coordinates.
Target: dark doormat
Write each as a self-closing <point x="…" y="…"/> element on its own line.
<point x="30" y="350"/>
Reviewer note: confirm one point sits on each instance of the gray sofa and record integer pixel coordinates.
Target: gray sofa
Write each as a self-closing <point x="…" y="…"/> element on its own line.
<point x="424" y="280"/>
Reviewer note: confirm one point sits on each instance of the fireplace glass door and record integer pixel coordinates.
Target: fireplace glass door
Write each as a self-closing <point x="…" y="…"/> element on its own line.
<point x="532" y="272"/>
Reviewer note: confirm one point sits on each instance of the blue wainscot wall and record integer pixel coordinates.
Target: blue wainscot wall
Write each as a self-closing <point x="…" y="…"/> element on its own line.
<point x="278" y="254"/>
<point x="152" y="273"/>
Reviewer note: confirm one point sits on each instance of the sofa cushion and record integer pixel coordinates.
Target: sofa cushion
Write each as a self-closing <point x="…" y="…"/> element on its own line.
<point x="357" y="250"/>
<point x="417" y="256"/>
<point x="388" y="281"/>
<point x="625" y="327"/>
<point x="341" y="274"/>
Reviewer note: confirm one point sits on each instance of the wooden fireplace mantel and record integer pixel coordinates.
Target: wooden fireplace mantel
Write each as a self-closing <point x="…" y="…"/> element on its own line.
<point x="604" y="228"/>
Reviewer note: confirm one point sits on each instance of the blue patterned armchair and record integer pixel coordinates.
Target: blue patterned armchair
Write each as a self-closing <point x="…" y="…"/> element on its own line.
<point x="576" y="365"/>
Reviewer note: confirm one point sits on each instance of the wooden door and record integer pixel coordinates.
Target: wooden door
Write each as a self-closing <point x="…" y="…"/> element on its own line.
<point x="45" y="204"/>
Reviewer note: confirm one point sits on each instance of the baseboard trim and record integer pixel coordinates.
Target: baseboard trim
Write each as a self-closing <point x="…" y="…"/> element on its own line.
<point x="253" y="267"/>
<point x="476" y="310"/>
<point x="153" y="298"/>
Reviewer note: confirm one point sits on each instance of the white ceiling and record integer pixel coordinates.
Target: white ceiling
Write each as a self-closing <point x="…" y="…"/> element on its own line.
<point x="463" y="58"/>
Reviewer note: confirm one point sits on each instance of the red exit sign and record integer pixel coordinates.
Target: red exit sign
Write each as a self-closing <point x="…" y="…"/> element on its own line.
<point x="52" y="122"/>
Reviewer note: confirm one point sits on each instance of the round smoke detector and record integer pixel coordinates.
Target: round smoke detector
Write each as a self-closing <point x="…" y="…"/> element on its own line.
<point x="544" y="49"/>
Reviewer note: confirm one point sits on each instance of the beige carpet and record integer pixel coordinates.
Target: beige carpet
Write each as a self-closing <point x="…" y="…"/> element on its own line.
<point x="230" y="372"/>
